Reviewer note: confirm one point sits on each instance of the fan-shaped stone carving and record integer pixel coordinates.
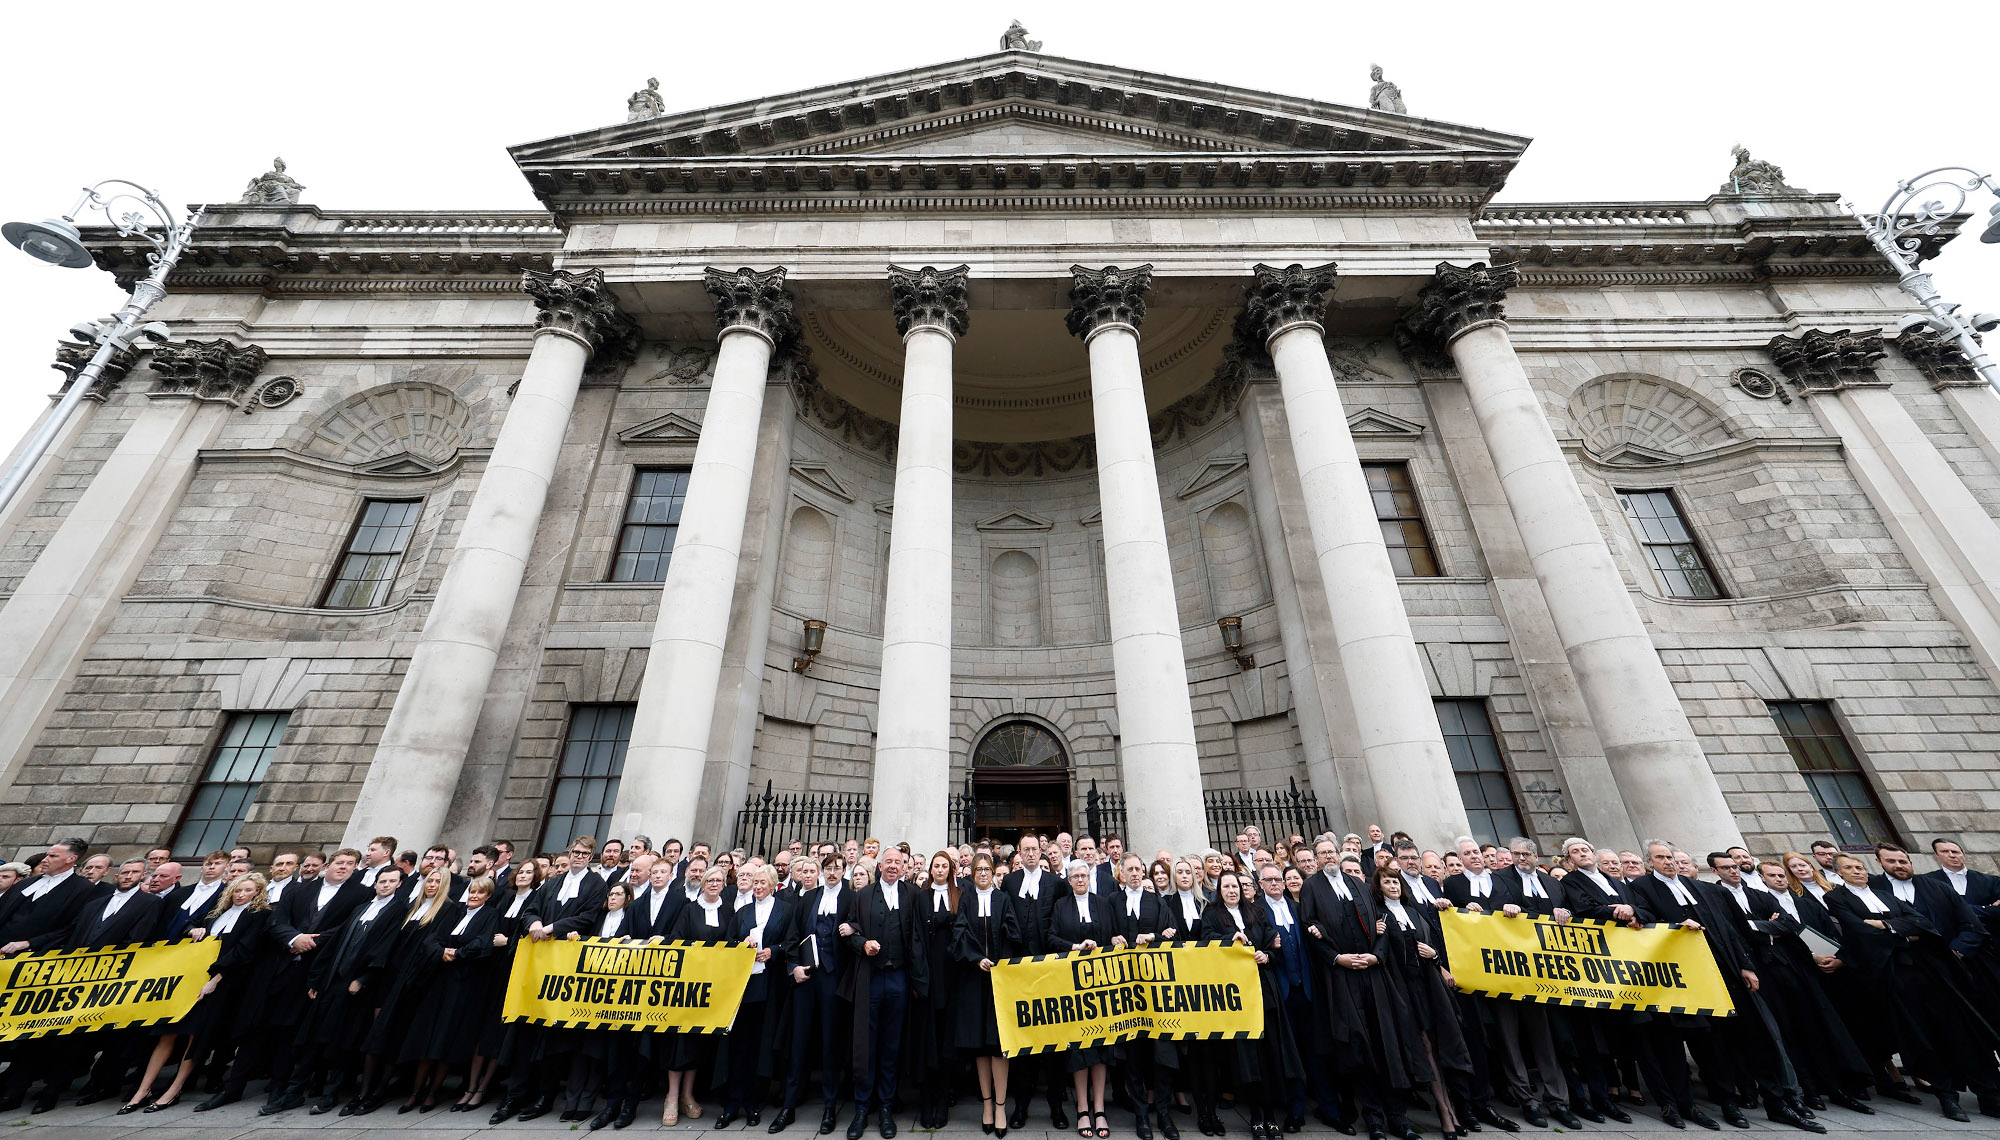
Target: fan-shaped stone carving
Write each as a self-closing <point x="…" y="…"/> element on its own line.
<point x="403" y="427"/>
<point x="1638" y="420"/>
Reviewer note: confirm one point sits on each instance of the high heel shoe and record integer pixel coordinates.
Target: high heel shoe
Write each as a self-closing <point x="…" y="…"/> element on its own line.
<point x="128" y="1109"/>
<point x="985" y="1125"/>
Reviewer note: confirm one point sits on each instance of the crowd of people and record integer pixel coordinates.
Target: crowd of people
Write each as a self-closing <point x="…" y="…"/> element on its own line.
<point x="349" y="980"/>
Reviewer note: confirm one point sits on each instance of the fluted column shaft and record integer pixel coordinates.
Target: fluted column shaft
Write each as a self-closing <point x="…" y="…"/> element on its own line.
<point x="1158" y="759"/>
<point x="661" y="786"/>
<point x="407" y="792"/>
<point x="1657" y="760"/>
<point x="912" y="776"/>
<point x="1395" y="723"/>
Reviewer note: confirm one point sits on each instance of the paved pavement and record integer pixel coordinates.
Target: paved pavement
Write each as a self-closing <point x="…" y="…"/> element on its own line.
<point x="101" y="1122"/>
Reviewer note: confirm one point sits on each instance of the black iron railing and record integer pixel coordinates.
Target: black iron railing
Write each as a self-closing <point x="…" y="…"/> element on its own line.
<point x="1103" y="814"/>
<point x="1275" y="812"/>
<point x="775" y="819"/>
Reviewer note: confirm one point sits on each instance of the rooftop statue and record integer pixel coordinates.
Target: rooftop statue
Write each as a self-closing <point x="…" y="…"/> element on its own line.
<point x="275" y="188"/>
<point x="1755" y="176"/>
<point x="645" y="104"/>
<point x="1385" y="96"/>
<point x="1016" y="39"/>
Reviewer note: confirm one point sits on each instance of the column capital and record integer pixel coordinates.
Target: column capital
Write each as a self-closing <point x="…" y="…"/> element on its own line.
<point x="212" y="370"/>
<point x="1458" y="298"/>
<point x="752" y="300"/>
<point x="1277" y="299"/>
<point x="1940" y="358"/>
<point x="1820" y="361"/>
<point x="580" y="306"/>
<point x="1107" y="296"/>
<point x="71" y="358"/>
<point x="929" y="298"/>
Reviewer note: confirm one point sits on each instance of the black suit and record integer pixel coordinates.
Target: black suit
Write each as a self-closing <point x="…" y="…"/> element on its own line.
<point x="1033" y="916"/>
<point x="276" y="1003"/>
<point x="1584" y="898"/>
<point x="886" y="981"/>
<point x="753" y="1021"/>
<point x="136" y="920"/>
<point x="1459" y="889"/>
<point x="177" y="919"/>
<point x="547" y="906"/>
<point x="1947" y="911"/>
<point x="821" y="1011"/>
<point x="42" y="922"/>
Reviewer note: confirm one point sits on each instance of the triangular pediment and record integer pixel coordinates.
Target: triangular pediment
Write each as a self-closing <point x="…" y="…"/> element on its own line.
<point x="1377" y="423"/>
<point x="1633" y="455"/>
<point x="1015" y="521"/>
<point x="1020" y="128"/>
<point x="816" y="475"/>
<point x="1215" y="472"/>
<point x="401" y="463"/>
<point x="670" y="428"/>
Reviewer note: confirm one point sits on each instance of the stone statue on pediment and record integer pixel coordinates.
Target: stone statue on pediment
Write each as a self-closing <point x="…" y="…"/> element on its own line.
<point x="1016" y="39"/>
<point x="1754" y="176"/>
<point x="273" y="188"/>
<point x="645" y="104"/>
<point x="1385" y="96"/>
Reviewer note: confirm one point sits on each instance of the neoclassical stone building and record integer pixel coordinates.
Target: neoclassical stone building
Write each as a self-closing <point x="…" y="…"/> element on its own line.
<point x="1001" y="429"/>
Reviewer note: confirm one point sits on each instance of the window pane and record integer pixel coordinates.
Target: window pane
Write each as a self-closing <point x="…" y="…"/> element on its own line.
<point x="1846" y="799"/>
<point x="652" y="519"/>
<point x="1679" y="568"/>
<point x="229" y="783"/>
<point x="1481" y="769"/>
<point x="374" y="554"/>
<point x="586" y="786"/>
<point x="1402" y="517"/>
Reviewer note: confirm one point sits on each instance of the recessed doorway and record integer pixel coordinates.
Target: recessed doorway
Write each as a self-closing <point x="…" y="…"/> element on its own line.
<point x="1020" y="782"/>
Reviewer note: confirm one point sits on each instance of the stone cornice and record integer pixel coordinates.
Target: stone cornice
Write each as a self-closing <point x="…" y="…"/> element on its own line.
<point x="1817" y="361"/>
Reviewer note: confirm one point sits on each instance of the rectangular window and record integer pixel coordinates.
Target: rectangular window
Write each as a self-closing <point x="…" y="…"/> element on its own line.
<point x="1481" y="771"/>
<point x="229" y="786"/>
<point x="1402" y="518"/>
<point x="652" y="519"/>
<point x="587" y="780"/>
<point x="1845" y="797"/>
<point x="374" y="553"/>
<point x="1679" y="569"/>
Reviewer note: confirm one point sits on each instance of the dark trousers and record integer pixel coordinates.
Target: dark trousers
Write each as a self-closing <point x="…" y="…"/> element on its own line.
<point x="1663" y="1061"/>
<point x="1527" y="1025"/>
<point x="746" y="1041"/>
<point x="1316" y="1084"/>
<point x="528" y="1079"/>
<point x="273" y="1044"/>
<point x="1473" y="1015"/>
<point x="816" y="1033"/>
<point x="875" y="1075"/>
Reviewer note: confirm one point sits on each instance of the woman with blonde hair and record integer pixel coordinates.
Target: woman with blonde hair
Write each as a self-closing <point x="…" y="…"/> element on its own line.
<point x="410" y="971"/>
<point x="238" y="920"/>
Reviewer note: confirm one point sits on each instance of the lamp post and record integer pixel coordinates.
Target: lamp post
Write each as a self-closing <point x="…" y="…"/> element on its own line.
<point x="135" y="212"/>
<point x="1917" y="209"/>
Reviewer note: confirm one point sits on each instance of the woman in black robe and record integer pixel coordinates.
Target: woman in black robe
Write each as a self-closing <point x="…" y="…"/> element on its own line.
<point x="928" y="1045"/>
<point x="342" y="985"/>
<point x="494" y="1034"/>
<point x="1261" y="1068"/>
<point x="1185" y="1068"/>
<point x="602" y="1057"/>
<point x="239" y="919"/>
<point x="1411" y="943"/>
<point x="987" y="931"/>
<point x="1919" y="1000"/>
<point x="1829" y="1064"/>
<point x="444" y="1026"/>
<point x="1083" y="922"/>
<point x="411" y="968"/>
<point x="706" y="919"/>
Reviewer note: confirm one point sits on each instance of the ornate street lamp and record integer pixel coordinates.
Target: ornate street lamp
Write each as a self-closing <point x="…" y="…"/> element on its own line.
<point x="135" y="212"/>
<point x="1917" y="210"/>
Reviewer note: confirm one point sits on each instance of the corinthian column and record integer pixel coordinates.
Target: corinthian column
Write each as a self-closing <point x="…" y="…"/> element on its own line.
<point x="410" y="782"/>
<point x="1654" y="755"/>
<point x="663" y="766"/>
<point x="1156" y="748"/>
<point x="1284" y="310"/>
<point x="912" y="779"/>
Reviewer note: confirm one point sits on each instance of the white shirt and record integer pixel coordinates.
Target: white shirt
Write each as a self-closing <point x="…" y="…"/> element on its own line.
<point x="514" y="908"/>
<point x="1956" y="878"/>
<point x="1737" y="893"/>
<point x="1281" y="910"/>
<point x="985" y="909"/>
<point x="1681" y="893"/>
<point x="1031" y="884"/>
<point x="326" y="893"/>
<point x="1531" y="885"/>
<point x="1905" y="889"/>
<point x="1402" y="916"/>
<point x="571" y="884"/>
<point x="1339" y="883"/>
<point x="368" y="874"/>
<point x="892" y="895"/>
<point x="1132" y="895"/>
<point x="275" y="888"/>
<point x="614" y="922"/>
<point x="940" y="897"/>
<point x="1789" y="904"/>
<point x="829" y="899"/>
<point x="654" y="901"/>
<point x="467" y="920"/>
<point x="1418" y="891"/>
<point x="1190" y="908"/>
<point x="226" y="921"/>
<point x="758" y="917"/>
<point x="1818" y="891"/>
<point x="1868" y="899"/>
<point x="1481" y="883"/>
<point x="1236" y="916"/>
<point x="199" y="897"/>
<point x="117" y="901"/>
<point x="1603" y="884"/>
<point x="375" y="906"/>
<point x="711" y="912"/>
<point x="45" y="884"/>
<point x="1083" y="906"/>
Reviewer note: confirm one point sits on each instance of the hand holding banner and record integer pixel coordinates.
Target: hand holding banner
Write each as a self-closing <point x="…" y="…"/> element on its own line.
<point x="592" y="983"/>
<point x="79" y="990"/>
<point x="1101" y="997"/>
<point x="1585" y="962"/>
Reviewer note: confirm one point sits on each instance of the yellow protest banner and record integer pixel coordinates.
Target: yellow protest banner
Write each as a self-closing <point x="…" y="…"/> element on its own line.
<point x="1101" y="997"/>
<point x="1584" y="962"/>
<point x="76" y="991"/>
<point x="691" y="987"/>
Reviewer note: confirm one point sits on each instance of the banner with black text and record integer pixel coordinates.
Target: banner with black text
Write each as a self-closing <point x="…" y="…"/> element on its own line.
<point x="1104" y="996"/>
<point x="75" y="991"/>
<point x="690" y="987"/>
<point x="1585" y="962"/>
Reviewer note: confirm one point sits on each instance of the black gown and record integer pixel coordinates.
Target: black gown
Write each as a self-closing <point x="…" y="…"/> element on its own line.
<point x="929" y="1049"/>
<point x="494" y="1038"/>
<point x="686" y="1051"/>
<point x="1271" y="1059"/>
<point x="1068" y="930"/>
<point x="444" y="1026"/>
<point x="1432" y="1002"/>
<point x="975" y="1031"/>
<point x="339" y="1019"/>
<point x="213" y="1018"/>
<point x="411" y="968"/>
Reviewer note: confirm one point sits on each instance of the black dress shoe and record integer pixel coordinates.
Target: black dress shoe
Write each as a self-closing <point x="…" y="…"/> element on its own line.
<point x="1813" y="1101"/>
<point x="1142" y="1127"/>
<point x="90" y="1096"/>
<point x="1900" y="1092"/>
<point x="1410" y="1133"/>
<point x="859" y="1125"/>
<point x="1671" y="1116"/>
<point x="1588" y="1111"/>
<point x="888" y="1124"/>
<point x="753" y="1116"/>
<point x="1697" y="1116"/>
<point x="604" y="1118"/>
<point x="1058" y="1119"/>
<point x="1532" y="1113"/>
<point x="627" y="1113"/>
<point x="829" y="1118"/>
<point x="725" y="1118"/>
<point x="1484" y="1114"/>
<point x="538" y="1109"/>
<point x="209" y="1105"/>
<point x="1377" y="1134"/>
<point x="1781" y="1113"/>
<point x="1948" y="1104"/>
<point x="1734" y="1115"/>
<point x="508" y="1107"/>
<point x="1561" y="1114"/>
<point x="129" y="1109"/>
<point x="1294" y="1123"/>
<point x="1606" y="1108"/>
<point x="1168" y="1128"/>
<point x="1852" y="1104"/>
<point x="284" y="1103"/>
<point x="325" y="1104"/>
<point x="782" y="1121"/>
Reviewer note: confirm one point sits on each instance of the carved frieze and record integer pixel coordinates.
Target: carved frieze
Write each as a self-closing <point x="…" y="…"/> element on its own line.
<point x="750" y="299"/>
<point x="1276" y="298"/>
<point x="1107" y="296"/>
<point x="71" y="358"/>
<point x="929" y="298"/>
<point x="211" y="370"/>
<point x="1820" y="361"/>
<point x="1940" y="358"/>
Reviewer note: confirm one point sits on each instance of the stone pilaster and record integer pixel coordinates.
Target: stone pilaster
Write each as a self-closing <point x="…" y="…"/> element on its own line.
<point x="661" y="787"/>
<point x="1654" y="755"/>
<point x="912" y="773"/>
<point x="1158" y="758"/>
<point x="409" y="786"/>
<point x="1284" y="311"/>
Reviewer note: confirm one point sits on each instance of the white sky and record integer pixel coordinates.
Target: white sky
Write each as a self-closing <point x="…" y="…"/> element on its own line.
<point x="411" y="105"/>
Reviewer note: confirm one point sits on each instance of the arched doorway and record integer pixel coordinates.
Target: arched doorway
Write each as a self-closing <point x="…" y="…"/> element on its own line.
<point x="1020" y="781"/>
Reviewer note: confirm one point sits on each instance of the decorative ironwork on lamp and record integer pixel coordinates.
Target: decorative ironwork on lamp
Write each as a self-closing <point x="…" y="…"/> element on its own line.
<point x="1232" y="640"/>
<point x="815" y="641"/>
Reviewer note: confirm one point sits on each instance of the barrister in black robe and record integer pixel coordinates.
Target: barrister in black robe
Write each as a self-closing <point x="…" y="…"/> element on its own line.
<point x="761" y="922"/>
<point x="540" y="1055"/>
<point x="1035" y="889"/>
<point x="1756" y="1058"/>
<point x="707" y="919"/>
<point x="1260" y="1068"/>
<point x="413" y="967"/>
<point x="1411" y="944"/>
<point x="444" y="1027"/>
<point x="1831" y="1066"/>
<point x="820" y="1017"/>
<point x="119" y="913"/>
<point x="239" y="921"/>
<point x="342" y="986"/>
<point x="987" y="932"/>
<point x="1146" y="1080"/>
<point x="267" y="1020"/>
<point x="929" y="1048"/>
<point x="891" y="978"/>
<point x="1664" y="896"/>
<point x="496" y="1036"/>
<point x="1083" y="921"/>
<point x="1919" y="1000"/>
<point x="1378" y="1047"/>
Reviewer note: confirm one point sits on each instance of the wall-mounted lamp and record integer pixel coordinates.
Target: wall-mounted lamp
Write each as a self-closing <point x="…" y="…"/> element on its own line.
<point x="815" y="641"/>
<point x="1232" y="640"/>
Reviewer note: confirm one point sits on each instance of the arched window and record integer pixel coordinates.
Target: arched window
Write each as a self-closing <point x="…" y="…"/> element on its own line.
<point x="1019" y="744"/>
